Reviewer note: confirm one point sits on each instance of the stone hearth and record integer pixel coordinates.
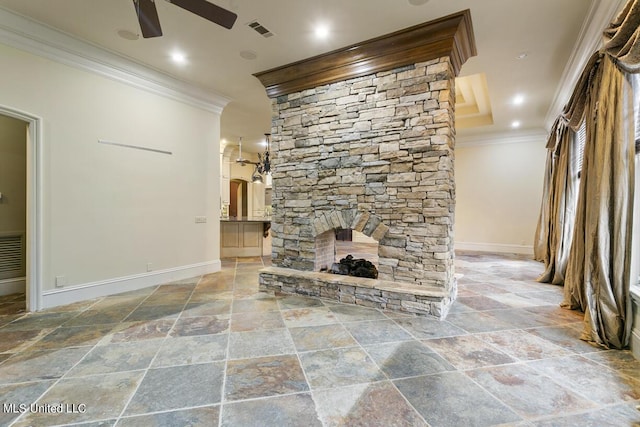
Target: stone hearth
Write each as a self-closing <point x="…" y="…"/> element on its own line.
<point x="372" y="153"/>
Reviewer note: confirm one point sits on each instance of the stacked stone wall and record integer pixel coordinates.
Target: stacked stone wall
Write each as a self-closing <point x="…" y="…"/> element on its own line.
<point x="379" y="146"/>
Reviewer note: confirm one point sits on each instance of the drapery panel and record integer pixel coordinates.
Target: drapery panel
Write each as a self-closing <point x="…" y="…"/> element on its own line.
<point x="598" y="266"/>
<point x="562" y="203"/>
<point x="557" y="214"/>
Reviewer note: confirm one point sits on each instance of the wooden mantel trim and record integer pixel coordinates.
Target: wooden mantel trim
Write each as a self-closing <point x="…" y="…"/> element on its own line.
<point x="450" y="36"/>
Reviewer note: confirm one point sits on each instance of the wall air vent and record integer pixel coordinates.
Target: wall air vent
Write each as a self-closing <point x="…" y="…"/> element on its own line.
<point x="260" y="29"/>
<point x="12" y="261"/>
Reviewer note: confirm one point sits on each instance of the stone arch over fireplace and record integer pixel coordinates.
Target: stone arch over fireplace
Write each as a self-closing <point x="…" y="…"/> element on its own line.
<point x="326" y="223"/>
<point x="365" y="222"/>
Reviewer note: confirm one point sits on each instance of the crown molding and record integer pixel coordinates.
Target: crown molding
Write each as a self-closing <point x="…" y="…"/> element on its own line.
<point x="599" y="16"/>
<point x="515" y="137"/>
<point x="450" y="36"/>
<point x="30" y="36"/>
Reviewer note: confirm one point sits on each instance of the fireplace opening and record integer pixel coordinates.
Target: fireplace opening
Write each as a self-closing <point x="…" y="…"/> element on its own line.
<point x="357" y="251"/>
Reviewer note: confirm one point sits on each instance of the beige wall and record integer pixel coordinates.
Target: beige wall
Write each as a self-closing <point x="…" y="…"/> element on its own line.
<point x="13" y="170"/>
<point x="498" y="195"/>
<point x="110" y="211"/>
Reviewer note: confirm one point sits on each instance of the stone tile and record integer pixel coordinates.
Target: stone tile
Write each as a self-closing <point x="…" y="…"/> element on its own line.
<point x="254" y="305"/>
<point x="264" y="376"/>
<point x="220" y="308"/>
<point x="370" y="404"/>
<point x="407" y="359"/>
<point x="556" y="314"/>
<point x="41" y="320"/>
<point x="519" y="300"/>
<point x="468" y="352"/>
<point x="117" y="357"/>
<point x="104" y="396"/>
<point x="481" y="303"/>
<point x="40" y="365"/>
<point x="321" y="337"/>
<point x="76" y="336"/>
<point x="155" y="312"/>
<point x="168" y="297"/>
<point x="595" y="382"/>
<point x="14" y="341"/>
<point x="197" y="417"/>
<point x="354" y="313"/>
<point x="243" y="322"/>
<point x="522" y="345"/>
<point x="293" y="301"/>
<point x="477" y="321"/>
<point x="621" y="361"/>
<point x="484" y="288"/>
<point x="452" y="399"/>
<point x="426" y="328"/>
<point x="20" y="394"/>
<point x="612" y="416"/>
<point x="518" y="318"/>
<point x="138" y="331"/>
<point x="8" y="318"/>
<point x="101" y="317"/>
<point x="282" y="411"/>
<point x="339" y="367"/>
<point x="244" y="345"/>
<point x="178" y="387"/>
<point x="377" y="331"/>
<point x="189" y="350"/>
<point x="211" y="296"/>
<point x="566" y="337"/>
<point x="205" y="325"/>
<point x="529" y="393"/>
<point x="314" y="316"/>
<point x="102" y="423"/>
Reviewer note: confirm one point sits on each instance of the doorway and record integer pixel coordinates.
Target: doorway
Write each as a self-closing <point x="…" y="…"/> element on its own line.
<point x="238" y="206"/>
<point x="13" y="214"/>
<point x="22" y="234"/>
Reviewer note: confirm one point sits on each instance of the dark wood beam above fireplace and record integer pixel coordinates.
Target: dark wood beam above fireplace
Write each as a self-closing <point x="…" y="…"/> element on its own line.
<point x="450" y="36"/>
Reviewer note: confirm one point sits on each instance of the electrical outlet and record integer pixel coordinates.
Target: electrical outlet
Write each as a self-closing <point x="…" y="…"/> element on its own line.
<point x="61" y="281"/>
<point x="149" y="266"/>
<point x="201" y="219"/>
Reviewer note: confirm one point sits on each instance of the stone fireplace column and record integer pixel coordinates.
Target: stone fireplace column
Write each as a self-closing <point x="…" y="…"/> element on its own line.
<point x="363" y="139"/>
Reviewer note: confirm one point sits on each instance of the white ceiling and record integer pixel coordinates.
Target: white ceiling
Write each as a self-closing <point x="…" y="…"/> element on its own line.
<point x="546" y="30"/>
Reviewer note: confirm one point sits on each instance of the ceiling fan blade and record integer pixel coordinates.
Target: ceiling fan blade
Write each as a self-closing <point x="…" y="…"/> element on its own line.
<point x="148" y="18"/>
<point x="208" y="11"/>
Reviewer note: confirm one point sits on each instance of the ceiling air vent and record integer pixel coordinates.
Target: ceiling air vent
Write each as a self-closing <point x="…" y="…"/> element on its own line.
<point x="260" y="29"/>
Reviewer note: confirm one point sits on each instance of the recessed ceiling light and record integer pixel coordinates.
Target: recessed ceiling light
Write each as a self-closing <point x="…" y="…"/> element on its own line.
<point x="128" y="35"/>
<point x="515" y="124"/>
<point x="321" y="31"/>
<point x="248" y="55"/>
<point x="418" y="2"/>
<point x="518" y="99"/>
<point x="178" y="58"/>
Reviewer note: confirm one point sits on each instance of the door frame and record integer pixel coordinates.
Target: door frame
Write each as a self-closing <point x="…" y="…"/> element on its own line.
<point x="33" y="282"/>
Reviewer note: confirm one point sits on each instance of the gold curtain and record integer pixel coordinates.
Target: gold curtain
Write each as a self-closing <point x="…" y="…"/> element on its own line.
<point x="557" y="214"/>
<point x="599" y="268"/>
<point x="562" y="200"/>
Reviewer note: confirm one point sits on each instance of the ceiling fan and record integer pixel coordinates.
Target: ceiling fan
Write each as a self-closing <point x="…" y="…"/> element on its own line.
<point x="150" y="24"/>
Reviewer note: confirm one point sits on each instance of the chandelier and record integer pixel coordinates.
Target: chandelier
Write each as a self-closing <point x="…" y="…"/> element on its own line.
<point x="262" y="166"/>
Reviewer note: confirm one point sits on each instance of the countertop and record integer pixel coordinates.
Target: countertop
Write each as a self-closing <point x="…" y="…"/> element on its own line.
<point x="246" y="219"/>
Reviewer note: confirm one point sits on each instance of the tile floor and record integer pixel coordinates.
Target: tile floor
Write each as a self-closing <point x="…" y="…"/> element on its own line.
<point x="215" y="351"/>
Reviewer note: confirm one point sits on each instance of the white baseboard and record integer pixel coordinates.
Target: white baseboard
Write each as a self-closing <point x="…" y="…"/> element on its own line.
<point x="12" y="286"/>
<point x="494" y="247"/>
<point x="117" y="285"/>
